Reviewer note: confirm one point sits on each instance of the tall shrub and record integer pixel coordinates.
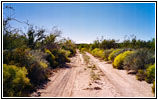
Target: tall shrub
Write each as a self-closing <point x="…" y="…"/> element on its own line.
<point x="139" y="59"/>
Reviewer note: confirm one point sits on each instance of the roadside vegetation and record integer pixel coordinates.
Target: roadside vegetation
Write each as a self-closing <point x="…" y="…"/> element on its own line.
<point x="29" y="56"/>
<point x="135" y="56"/>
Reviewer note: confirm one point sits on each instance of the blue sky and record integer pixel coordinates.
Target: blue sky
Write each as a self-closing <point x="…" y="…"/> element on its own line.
<point x="84" y="22"/>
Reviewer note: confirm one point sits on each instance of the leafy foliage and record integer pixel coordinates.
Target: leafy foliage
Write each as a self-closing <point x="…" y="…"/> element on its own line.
<point x="14" y="81"/>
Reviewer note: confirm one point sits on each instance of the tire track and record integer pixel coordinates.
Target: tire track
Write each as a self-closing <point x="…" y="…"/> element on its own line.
<point x="124" y="84"/>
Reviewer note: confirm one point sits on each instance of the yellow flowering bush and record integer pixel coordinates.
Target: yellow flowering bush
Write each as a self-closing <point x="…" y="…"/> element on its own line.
<point x="118" y="61"/>
<point x="150" y="74"/>
<point x="15" y="81"/>
<point x="98" y="53"/>
<point x="112" y="54"/>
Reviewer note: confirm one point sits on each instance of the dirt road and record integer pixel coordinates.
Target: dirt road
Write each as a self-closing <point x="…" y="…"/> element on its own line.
<point x="79" y="79"/>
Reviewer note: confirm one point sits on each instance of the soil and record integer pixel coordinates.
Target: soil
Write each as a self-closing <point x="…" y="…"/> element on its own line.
<point x="76" y="80"/>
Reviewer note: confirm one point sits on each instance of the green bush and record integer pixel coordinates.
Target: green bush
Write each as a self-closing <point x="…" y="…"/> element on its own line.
<point x="15" y="57"/>
<point x="150" y="74"/>
<point x="13" y="40"/>
<point x="57" y="57"/>
<point x="51" y="59"/>
<point x="68" y="44"/>
<point x="15" y="81"/>
<point x="139" y="59"/>
<point x="118" y="61"/>
<point x="107" y="53"/>
<point x="60" y="56"/>
<point x="112" y="54"/>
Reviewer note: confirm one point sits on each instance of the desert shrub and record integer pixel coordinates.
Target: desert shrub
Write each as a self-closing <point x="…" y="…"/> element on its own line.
<point x="58" y="57"/>
<point x="72" y="50"/>
<point x="118" y="61"/>
<point x="67" y="53"/>
<point x="68" y="44"/>
<point x="150" y="74"/>
<point x="140" y="75"/>
<point x="98" y="53"/>
<point x="107" y="53"/>
<point x="112" y="54"/>
<point x="94" y="51"/>
<point x="13" y="40"/>
<point x="139" y="59"/>
<point x="33" y="60"/>
<point x="63" y="54"/>
<point x="37" y="66"/>
<point x="119" y="52"/>
<point x="15" y="81"/>
<point x="51" y="59"/>
<point x="153" y="87"/>
<point x="15" y="57"/>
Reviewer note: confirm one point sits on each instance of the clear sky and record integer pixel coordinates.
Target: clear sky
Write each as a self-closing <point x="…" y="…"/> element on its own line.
<point x="84" y="22"/>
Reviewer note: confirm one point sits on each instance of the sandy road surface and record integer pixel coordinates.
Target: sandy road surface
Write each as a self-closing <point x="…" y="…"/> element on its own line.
<point x="123" y="84"/>
<point x="76" y="81"/>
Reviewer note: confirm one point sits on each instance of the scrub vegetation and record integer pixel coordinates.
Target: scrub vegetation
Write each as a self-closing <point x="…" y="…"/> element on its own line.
<point x="30" y="56"/>
<point x="133" y="55"/>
